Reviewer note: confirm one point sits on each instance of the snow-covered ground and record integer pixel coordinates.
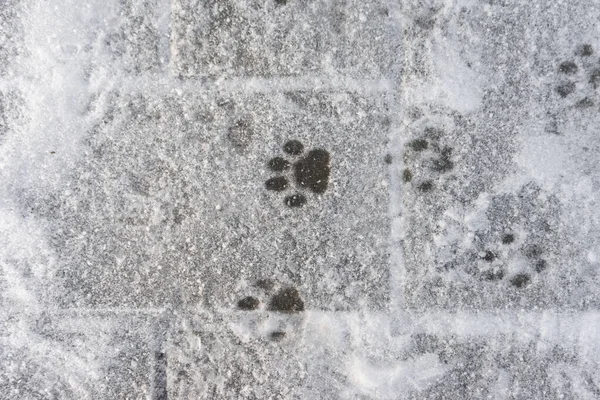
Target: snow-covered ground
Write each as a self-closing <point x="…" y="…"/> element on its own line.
<point x="284" y="199"/>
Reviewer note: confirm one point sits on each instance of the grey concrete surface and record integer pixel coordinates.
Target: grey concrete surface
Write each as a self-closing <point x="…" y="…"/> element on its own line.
<point x="494" y="169"/>
<point x="172" y="200"/>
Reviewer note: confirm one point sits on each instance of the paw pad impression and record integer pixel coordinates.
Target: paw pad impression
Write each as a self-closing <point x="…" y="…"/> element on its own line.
<point x="579" y="78"/>
<point x="310" y="172"/>
<point x="285" y="300"/>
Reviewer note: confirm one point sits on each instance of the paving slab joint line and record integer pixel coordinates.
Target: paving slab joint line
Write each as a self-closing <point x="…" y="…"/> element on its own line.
<point x="117" y="311"/>
<point x="152" y="82"/>
<point x="519" y="315"/>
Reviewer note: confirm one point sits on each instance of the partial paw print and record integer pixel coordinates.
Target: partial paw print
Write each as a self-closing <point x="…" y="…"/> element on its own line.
<point x="285" y="299"/>
<point x="430" y="157"/>
<point x="310" y="172"/>
<point x="578" y="78"/>
<point x="512" y="240"/>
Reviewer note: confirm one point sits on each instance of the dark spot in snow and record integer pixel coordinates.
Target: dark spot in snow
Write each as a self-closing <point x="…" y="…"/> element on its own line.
<point x="595" y="78"/>
<point x="565" y="89"/>
<point x="443" y="163"/>
<point x="279" y="164"/>
<point x="426" y="186"/>
<point x="568" y="67"/>
<point x="586" y="102"/>
<point x="508" y="238"/>
<point x="540" y="265"/>
<point x="418" y="144"/>
<point x="425" y="23"/>
<point x="278" y="184"/>
<point x="160" y="375"/>
<point x="248" y="303"/>
<point x="520" y="280"/>
<point x="533" y="251"/>
<point x="277" y="336"/>
<point x="489" y="256"/>
<point x="293" y="147"/>
<point x="312" y="171"/>
<point x="586" y="50"/>
<point x="240" y="134"/>
<point x="287" y="300"/>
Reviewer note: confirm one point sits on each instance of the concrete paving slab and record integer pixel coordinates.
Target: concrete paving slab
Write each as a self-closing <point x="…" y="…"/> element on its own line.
<point x="485" y="200"/>
<point x="174" y="205"/>
<point x="281" y="38"/>
<point x="82" y="355"/>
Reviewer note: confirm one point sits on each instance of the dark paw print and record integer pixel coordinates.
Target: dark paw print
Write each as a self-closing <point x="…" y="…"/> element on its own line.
<point x="438" y="158"/>
<point x="285" y="300"/>
<point x="579" y="78"/>
<point x="310" y="172"/>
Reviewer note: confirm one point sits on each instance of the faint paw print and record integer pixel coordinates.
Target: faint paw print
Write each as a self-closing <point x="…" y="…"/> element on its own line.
<point x="436" y="156"/>
<point x="533" y="254"/>
<point x="579" y="77"/>
<point x="309" y="172"/>
<point x="518" y="242"/>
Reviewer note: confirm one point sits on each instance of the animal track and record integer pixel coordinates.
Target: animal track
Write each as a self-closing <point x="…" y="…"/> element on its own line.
<point x="578" y="78"/>
<point x="519" y="232"/>
<point x="428" y="151"/>
<point x="285" y="300"/>
<point x="248" y="303"/>
<point x="310" y="172"/>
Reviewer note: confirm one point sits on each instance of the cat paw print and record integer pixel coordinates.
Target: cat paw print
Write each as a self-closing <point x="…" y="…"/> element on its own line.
<point x="578" y="78"/>
<point x="428" y="152"/>
<point x="515" y="240"/>
<point x="309" y="172"/>
<point x="506" y="249"/>
<point x="285" y="299"/>
<point x="491" y="259"/>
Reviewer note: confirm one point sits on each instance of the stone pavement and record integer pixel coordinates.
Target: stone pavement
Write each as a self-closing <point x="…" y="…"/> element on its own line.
<point x="290" y="199"/>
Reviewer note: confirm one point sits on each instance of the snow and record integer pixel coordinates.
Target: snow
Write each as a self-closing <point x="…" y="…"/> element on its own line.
<point x="453" y="253"/>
